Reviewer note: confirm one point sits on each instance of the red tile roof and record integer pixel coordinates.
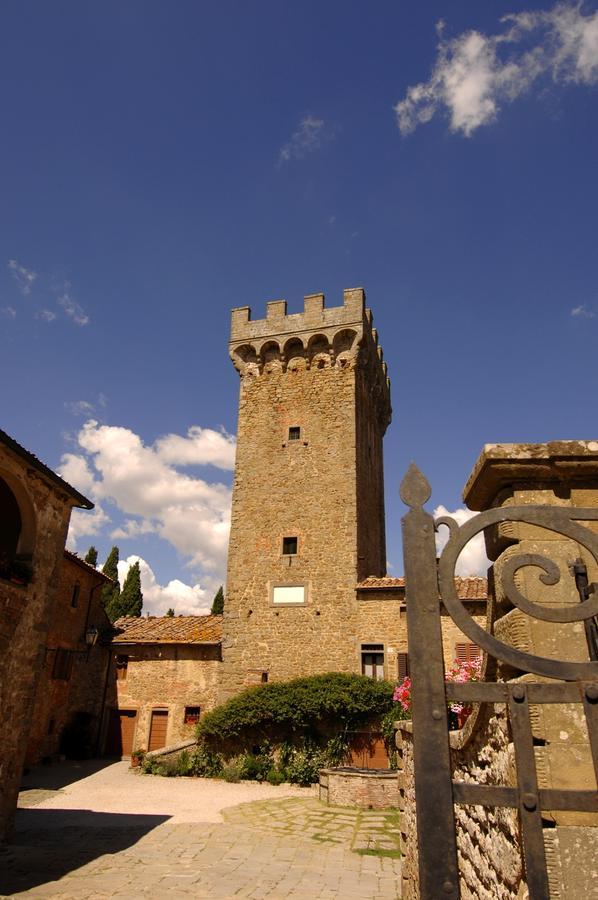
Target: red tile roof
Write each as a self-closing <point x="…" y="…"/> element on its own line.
<point x="470" y="587"/>
<point x="168" y="630"/>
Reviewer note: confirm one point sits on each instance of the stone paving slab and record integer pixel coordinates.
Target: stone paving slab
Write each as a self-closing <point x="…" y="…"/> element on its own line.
<point x="264" y="850"/>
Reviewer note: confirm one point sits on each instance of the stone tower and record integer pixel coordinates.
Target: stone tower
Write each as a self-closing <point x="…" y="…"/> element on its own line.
<point x="308" y="499"/>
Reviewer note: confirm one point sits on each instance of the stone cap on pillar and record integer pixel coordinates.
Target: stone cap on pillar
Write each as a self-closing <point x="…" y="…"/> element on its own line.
<point x="520" y="466"/>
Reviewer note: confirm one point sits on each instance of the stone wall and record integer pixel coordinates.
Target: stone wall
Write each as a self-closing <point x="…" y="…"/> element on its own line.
<point x="354" y="787"/>
<point x="45" y="504"/>
<point x="165" y="677"/>
<point x="59" y="700"/>
<point x="320" y="371"/>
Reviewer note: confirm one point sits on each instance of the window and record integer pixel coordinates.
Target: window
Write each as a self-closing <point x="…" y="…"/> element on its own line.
<point x="122" y="664"/>
<point x="467" y="652"/>
<point x="63" y="664"/>
<point x="290" y="594"/>
<point x="372" y="661"/>
<point x="264" y="678"/>
<point x="402" y="666"/>
<point x="192" y="715"/>
<point x="289" y="546"/>
<point x="75" y="595"/>
<point x="294" y="433"/>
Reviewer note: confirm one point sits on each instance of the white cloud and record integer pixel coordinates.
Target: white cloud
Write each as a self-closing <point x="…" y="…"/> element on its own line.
<point x="80" y="407"/>
<point x="310" y="135"/>
<point x="23" y="276"/>
<point x="47" y="315"/>
<point x="475" y="73"/>
<point x="9" y="311"/>
<point x="133" y="528"/>
<point x="85" y="523"/>
<point x="185" y="599"/>
<point x="582" y="312"/>
<point x="473" y="559"/>
<point x="200" y="447"/>
<point x="190" y="513"/>
<point x="72" y="309"/>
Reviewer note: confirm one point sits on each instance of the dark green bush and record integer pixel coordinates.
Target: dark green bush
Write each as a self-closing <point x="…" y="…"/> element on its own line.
<point x="255" y="767"/>
<point x="276" y="776"/>
<point x="315" y="708"/>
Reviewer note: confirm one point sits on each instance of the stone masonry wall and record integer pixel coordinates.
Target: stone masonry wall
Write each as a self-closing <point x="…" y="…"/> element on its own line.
<point x="165" y="677"/>
<point x="25" y="617"/>
<point x="57" y="700"/>
<point x="302" y="371"/>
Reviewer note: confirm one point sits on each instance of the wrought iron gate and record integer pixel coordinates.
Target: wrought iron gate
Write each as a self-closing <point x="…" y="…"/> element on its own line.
<point x="430" y="582"/>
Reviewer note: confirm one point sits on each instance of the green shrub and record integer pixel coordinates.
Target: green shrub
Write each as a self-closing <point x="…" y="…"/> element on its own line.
<point x="205" y="762"/>
<point x="313" y="708"/>
<point x="232" y="770"/>
<point x="256" y="766"/>
<point x="276" y="776"/>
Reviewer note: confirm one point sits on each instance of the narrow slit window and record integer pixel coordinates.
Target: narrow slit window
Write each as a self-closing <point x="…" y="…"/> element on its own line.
<point x="75" y="595"/>
<point x="402" y="666"/>
<point x="294" y="433"/>
<point x="289" y="546"/>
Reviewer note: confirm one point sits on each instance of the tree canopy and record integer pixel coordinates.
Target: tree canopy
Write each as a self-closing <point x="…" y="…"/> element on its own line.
<point x="91" y="557"/>
<point x="111" y="592"/>
<point x="218" y="603"/>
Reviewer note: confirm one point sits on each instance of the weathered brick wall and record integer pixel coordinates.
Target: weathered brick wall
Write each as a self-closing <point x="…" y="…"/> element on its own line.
<point x="368" y="790"/>
<point x="165" y="677"/>
<point x="25" y="618"/>
<point x="57" y="700"/>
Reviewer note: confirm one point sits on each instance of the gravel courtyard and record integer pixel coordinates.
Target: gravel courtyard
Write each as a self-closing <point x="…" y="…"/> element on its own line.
<point x="94" y="831"/>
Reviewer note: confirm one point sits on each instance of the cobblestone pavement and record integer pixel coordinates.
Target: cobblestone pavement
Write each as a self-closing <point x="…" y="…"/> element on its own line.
<point x="284" y="848"/>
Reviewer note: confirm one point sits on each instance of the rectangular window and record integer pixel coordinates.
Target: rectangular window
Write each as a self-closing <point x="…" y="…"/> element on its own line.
<point x="402" y="666"/>
<point x="289" y="546"/>
<point x="294" y="433"/>
<point x="75" y="595"/>
<point x="122" y="664"/>
<point x="467" y="652"/>
<point x="288" y="593"/>
<point x="192" y="715"/>
<point x="63" y="664"/>
<point x="372" y="661"/>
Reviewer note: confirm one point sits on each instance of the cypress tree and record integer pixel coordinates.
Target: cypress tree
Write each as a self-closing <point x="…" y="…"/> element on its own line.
<point x="91" y="557"/>
<point x="170" y="612"/>
<point x="218" y="603"/>
<point x="131" y="598"/>
<point x="111" y="592"/>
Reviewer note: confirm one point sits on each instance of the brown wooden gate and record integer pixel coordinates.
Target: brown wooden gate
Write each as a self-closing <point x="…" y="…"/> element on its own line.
<point x="158" y="729"/>
<point x="121" y="732"/>
<point x="430" y="582"/>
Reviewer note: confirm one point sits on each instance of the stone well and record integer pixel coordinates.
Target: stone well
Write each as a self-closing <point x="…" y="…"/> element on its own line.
<point x="366" y="788"/>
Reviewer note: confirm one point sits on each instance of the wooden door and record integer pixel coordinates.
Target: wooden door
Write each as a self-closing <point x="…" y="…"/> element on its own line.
<point x="158" y="728"/>
<point x="121" y="732"/>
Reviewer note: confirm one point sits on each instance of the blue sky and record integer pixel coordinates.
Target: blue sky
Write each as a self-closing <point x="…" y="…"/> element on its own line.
<point x="164" y="162"/>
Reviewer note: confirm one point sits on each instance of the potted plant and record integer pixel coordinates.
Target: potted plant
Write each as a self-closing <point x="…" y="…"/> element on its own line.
<point x="137" y="758"/>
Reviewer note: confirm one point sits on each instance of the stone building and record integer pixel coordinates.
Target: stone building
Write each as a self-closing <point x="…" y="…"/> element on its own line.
<point x="164" y="673"/>
<point x="307" y="590"/>
<point x="68" y="705"/>
<point x="36" y="507"/>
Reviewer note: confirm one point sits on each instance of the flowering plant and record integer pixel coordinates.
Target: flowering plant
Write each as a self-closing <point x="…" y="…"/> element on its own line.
<point x="402" y="694"/>
<point x="461" y="671"/>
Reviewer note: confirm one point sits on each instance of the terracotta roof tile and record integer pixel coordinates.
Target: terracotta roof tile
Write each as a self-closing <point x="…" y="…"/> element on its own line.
<point x="470" y="587"/>
<point x="168" y="630"/>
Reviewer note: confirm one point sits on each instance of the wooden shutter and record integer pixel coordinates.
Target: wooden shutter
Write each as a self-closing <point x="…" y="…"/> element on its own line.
<point x="402" y="665"/>
<point x="467" y="652"/>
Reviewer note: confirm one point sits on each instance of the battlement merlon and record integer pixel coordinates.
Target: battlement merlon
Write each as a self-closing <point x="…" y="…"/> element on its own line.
<point x="315" y="316"/>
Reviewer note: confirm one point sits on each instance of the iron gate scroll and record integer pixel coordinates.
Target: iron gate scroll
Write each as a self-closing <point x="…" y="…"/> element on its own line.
<point x="430" y="582"/>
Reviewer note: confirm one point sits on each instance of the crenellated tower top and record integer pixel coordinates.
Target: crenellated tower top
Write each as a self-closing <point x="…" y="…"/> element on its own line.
<point x="342" y="336"/>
